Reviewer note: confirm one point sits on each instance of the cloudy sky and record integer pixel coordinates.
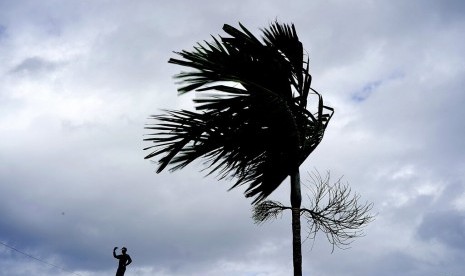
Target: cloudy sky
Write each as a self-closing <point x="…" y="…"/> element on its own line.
<point x="78" y="80"/>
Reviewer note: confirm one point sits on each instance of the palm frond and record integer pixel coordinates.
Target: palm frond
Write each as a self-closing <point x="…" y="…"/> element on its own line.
<point x="251" y="121"/>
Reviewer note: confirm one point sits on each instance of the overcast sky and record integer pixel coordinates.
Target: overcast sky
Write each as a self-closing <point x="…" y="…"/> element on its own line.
<point x="78" y="80"/>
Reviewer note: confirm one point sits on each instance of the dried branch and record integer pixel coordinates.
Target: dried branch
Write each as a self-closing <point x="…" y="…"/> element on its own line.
<point x="267" y="210"/>
<point x="335" y="211"/>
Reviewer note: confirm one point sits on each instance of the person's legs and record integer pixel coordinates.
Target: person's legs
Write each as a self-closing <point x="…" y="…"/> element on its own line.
<point x="120" y="271"/>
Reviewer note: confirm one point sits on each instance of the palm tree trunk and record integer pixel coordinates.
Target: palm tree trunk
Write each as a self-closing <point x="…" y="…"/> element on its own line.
<point x="296" y="199"/>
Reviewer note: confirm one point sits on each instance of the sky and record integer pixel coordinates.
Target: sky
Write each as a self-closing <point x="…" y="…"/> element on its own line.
<point x="79" y="80"/>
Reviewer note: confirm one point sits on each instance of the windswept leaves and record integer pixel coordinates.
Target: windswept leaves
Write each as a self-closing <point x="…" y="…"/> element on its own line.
<point x="251" y="121"/>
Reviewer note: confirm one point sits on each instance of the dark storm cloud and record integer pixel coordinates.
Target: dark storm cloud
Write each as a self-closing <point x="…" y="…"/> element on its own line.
<point x="2" y="32"/>
<point x="447" y="227"/>
<point x="34" y="65"/>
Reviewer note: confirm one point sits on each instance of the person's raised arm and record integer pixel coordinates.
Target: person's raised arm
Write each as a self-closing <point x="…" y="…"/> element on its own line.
<point x="114" y="249"/>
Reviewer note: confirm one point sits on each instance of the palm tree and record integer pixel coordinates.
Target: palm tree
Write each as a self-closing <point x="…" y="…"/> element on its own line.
<point x="251" y="120"/>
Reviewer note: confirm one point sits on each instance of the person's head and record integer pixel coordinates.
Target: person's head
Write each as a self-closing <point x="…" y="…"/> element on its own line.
<point x="124" y="250"/>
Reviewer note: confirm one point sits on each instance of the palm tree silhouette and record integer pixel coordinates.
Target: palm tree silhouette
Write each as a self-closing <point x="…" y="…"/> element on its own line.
<point x="251" y="120"/>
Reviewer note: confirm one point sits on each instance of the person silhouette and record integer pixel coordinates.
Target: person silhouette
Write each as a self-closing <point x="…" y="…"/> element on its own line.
<point x="124" y="260"/>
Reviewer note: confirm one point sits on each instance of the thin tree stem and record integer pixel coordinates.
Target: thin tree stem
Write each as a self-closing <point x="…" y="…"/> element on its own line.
<point x="296" y="242"/>
<point x="296" y="200"/>
<point x="296" y="195"/>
